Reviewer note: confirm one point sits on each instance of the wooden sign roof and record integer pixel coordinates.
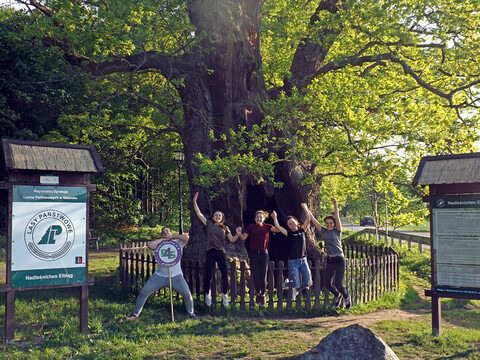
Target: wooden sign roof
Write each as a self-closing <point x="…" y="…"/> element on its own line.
<point x="448" y="169"/>
<point x="34" y="155"/>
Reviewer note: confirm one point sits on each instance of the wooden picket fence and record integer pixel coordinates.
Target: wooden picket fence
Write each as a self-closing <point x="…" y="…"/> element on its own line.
<point x="370" y="272"/>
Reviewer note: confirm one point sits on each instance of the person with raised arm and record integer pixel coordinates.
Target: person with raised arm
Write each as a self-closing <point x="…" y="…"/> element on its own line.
<point x="335" y="267"/>
<point x="257" y="249"/>
<point x="297" y="256"/>
<point x="160" y="278"/>
<point x="217" y="233"/>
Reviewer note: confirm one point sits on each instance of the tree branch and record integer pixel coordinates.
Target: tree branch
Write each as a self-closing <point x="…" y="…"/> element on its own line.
<point x="170" y="114"/>
<point x="309" y="56"/>
<point x="169" y="66"/>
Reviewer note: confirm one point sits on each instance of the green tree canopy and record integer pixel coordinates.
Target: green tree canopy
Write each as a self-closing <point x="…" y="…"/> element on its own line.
<point x="278" y="96"/>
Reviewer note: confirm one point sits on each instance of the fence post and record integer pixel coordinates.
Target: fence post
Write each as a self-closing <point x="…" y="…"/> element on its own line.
<point x="348" y="277"/>
<point x="121" y="266"/>
<point x="251" y="291"/>
<point x="375" y="271"/>
<point x="137" y="256"/>
<point x="308" y="292"/>
<point x="213" y="288"/>
<point x="233" y="281"/>
<point x="243" y="266"/>
<point x="142" y="267"/>
<point x="270" y="283"/>
<point x="397" y="271"/>
<point x="355" y="293"/>
<point x="280" y="285"/>
<point x="131" y="269"/>
<point x="317" y="283"/>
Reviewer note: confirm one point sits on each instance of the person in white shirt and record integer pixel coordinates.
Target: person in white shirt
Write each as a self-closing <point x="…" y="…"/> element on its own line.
<point x="159" y="279"/>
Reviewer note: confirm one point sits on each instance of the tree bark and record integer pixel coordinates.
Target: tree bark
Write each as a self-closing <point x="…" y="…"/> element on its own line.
<point x="229" y="94"/>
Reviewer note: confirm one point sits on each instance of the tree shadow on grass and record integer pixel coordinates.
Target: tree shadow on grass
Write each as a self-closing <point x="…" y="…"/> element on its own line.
<point x="413" y="301"/>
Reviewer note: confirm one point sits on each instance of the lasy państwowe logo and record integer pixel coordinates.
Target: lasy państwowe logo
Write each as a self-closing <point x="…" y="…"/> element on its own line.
<point x="49" y="235"/>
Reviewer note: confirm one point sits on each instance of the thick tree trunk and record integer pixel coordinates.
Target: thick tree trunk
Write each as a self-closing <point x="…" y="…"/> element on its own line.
<point x="228" y="95"/>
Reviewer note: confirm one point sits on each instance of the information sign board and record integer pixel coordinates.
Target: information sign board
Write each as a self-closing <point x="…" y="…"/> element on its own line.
<point x="48" y="235"/>
<point x="456" y="245"/>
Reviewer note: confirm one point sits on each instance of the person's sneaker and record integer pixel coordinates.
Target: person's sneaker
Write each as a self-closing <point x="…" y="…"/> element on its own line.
<point x="192" y="316"/>
<point x="348" y="303"/>
<point x="337" y="301"/>
<point x="132" y="317"/>
<point x="285" y="284"/>
<point x="225" y="300"/>
<point x="263" y="300"/>
<point x="294" y="293"/>
<point x="208" y="299"/>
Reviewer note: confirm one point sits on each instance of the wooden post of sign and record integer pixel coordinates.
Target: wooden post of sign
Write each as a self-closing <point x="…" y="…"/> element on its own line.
<point x="436" y="315"/>
<point x="83" y="299"/>
<point x="171" y="293"/>
<point x="10" y="316"/>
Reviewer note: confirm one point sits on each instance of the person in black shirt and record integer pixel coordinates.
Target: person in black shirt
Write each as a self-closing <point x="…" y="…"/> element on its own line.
<point x="297" y="257"/>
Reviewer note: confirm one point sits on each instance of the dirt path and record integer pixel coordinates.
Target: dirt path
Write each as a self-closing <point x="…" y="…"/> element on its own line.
<point x="332" y="323"/>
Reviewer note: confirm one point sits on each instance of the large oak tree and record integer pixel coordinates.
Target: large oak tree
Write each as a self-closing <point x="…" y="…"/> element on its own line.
<point x="270" y="98"/>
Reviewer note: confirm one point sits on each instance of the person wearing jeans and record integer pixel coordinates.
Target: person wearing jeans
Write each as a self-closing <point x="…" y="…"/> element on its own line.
<point x="297" y="256"/>
<point x="159" y="279"/>
<point x="297" y="267"/>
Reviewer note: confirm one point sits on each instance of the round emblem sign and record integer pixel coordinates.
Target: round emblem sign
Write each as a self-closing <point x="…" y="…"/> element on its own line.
<point x="49" y="235"/>
<point x="168" y="253"/>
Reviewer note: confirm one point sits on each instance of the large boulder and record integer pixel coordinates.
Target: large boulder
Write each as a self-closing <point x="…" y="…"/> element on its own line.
<point x="354" y="342"/>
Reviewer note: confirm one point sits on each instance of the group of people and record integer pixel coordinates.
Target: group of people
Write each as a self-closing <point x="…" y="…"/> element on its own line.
<point x="256" y="237"/>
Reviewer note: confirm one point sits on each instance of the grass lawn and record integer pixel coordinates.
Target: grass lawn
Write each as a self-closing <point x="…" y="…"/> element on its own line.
<point x="47" y="323"/>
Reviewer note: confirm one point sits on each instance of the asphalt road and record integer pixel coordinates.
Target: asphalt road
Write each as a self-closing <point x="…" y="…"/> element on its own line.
<point x="348" y="225"/>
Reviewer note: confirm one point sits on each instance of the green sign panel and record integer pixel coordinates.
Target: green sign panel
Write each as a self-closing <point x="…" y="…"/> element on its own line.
<point x="49" y="194"/>
<point x="27" y="278"/>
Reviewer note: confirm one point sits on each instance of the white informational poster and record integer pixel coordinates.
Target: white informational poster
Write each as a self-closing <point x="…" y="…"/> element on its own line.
<point x="456" y="245"/>
<point x="48" y="235"/>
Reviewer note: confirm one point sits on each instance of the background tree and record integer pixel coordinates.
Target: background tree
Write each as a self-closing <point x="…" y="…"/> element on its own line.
<point x="44" y="98"/>
<point x="350" y="88"/>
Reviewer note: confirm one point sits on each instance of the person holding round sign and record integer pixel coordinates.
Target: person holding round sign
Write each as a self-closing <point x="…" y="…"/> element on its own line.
<point x="217" y="233"/>
<point x="168" y="254"/>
